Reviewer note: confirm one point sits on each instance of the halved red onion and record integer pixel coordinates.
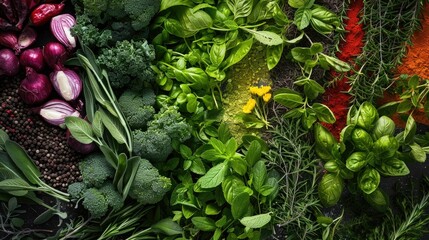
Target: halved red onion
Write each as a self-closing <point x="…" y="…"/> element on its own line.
<point x="35" y="88"/>
<point x="27" y="37"/>
<point x="32" y="58"/>
<point x="61" y="28"/>
<point x="55" y="111"/>
<point x="67" y="83"/>
<point x="54" y="54"/>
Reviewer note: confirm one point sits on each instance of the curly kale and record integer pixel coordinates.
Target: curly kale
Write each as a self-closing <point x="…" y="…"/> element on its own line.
<point x="154" y="144"/>
<point x="128" y="64"/>
<point x="170" y="120"/>
<point x="138" y="107"/>
<point x="101" y="21"/>
<point x="95" y="170"/>
<point x="149" y="186"/>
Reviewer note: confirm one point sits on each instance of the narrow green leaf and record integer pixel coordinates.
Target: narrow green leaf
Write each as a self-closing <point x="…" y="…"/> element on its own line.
<point x="168" y="227"/>
<point x="130" y="173"/>
<point x="23" y="161"/>
<point x="289" y="100"/>
<point x="118" y="180"/>
<point x="166" y="4"/>
<point x="259" y="173"/>
<point x="253" y="153"/>
<point x="256" y="221"/>
<point x="217" y="145"/>
<point x="204" y="223"/>
<point x="114" y="126"/>
<point x="97" y="125"/>
<point x="410" y="130"/>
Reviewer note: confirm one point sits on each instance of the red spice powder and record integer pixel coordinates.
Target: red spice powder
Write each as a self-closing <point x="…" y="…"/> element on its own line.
<point x="336" y="97"/>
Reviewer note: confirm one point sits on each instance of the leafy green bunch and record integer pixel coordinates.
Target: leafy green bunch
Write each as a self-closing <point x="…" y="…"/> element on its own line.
<point x="223" y="189"/>
<point x="368" y="149"/>
<point x="198" y="41"/>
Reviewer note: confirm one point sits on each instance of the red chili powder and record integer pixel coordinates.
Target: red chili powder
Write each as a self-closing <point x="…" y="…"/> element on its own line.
<point x="336" y="97"/>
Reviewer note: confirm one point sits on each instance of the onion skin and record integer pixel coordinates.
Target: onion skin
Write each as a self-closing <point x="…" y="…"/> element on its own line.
<point x="55" y="111"/>
<point x="9" y="40"/>
<point x="67" y="83"/>
<point x="78" y="146"/>
<point x="35" y="88"/>
<point x="54" y="54"/>
<point x="32" y="58"/>
<point x="28" y="36"/>
<point x="61" y="29"/>
<point x="9" y="63"/>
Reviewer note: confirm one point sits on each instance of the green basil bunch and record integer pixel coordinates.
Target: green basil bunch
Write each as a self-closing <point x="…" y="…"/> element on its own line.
<point x="367" y="150"/>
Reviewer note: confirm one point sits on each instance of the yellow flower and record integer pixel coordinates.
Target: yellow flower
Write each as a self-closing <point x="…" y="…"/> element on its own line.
<point x="250" y="105"/>
<point x="266" y="97"/>
<point x="260" y="91"/>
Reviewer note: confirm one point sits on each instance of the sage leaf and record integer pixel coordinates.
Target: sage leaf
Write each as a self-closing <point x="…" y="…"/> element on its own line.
<point x="256" y="221"/>
<point x="80" y="129"/>
<point x="3" y="138"/>
<point x="23" y="161"/>
<point x="114" y="126"/>
<point x="97" y="125"/>
<point x="266" y="37"/>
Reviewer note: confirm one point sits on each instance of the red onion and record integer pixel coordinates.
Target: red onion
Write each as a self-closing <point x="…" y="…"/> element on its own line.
<point x="9" y="63"/>
<point x="55" y="111"/>
<point x="67" y="83"/>
<point x="61" y="28"/>
<point x="78" y="146"/>
<point x="35" y="88"/>
<point x="54" y="54"/>
<point x="32" y="58"/>
<point x="27" y="37"/>
<point x="9" y="40"/>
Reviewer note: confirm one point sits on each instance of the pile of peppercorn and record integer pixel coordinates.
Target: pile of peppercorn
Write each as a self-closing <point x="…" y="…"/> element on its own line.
<point x="45" y="144"/>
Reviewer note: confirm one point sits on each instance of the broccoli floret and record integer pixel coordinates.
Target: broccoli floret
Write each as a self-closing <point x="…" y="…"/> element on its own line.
<point x="170" y="120"/>
<point x="141" y="11"/>
<point x="154" y="144"/>
<point x="95" y="202"/>
<point x="126" y="61"/>
<point x="95" y="169"/>
<point x="149" y="186"/>
<point x="116" y="9"/>
<point x="94" y="8"/>
<point x="76" y="190"/>
<point x="138" y="107"/>
<point x="113" y="198"/>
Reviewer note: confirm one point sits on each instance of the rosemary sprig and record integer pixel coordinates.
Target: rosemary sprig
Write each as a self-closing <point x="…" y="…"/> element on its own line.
<point x="292" y="156"/>
<point x="388" y="26"/>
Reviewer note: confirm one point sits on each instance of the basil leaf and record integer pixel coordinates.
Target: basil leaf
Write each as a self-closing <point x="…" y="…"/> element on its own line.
<point x="240" y="8"/>
<point x="254" y="153"/>
<point x="196" y="76"/>
<point x="259" y="173"/>
<point x="217" y="54"/>
<point x="325" y="142"/>
<point x="274" y="53"/>
<point x="80" y="129"/>
<point x="301" y="54"/>
<point x="302" y="18"/>
<point x="266" y="37"/>
<point x="356" y="161"/>
<point x="194" y="21"/>
<point x="168" y="227"/>
<point x="369" y="180"/>
<point x="289" y="100"/>
<point x="337" y="64"/>
<point x="165" y="4"/>
<point x="256" y="221"/>
<point x="393" y="167"/>
<point x="410" y="130"/>
<point x="204" y="223"/>
<point x="240" y="205"/>
<point x="362" y="140"/>
<point x="174" y="27"/>
<point x="418" y="153"/>
<point x="263" y="10"/>
<point x="237" y="53"/>
<point x="214" y="177"/>
<point x="296" y="3"/>
<point x="384" y="126"/>
<point x="323" y="113"/>
<point x="378" y="199"/>
<point x="330" y="189"/>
